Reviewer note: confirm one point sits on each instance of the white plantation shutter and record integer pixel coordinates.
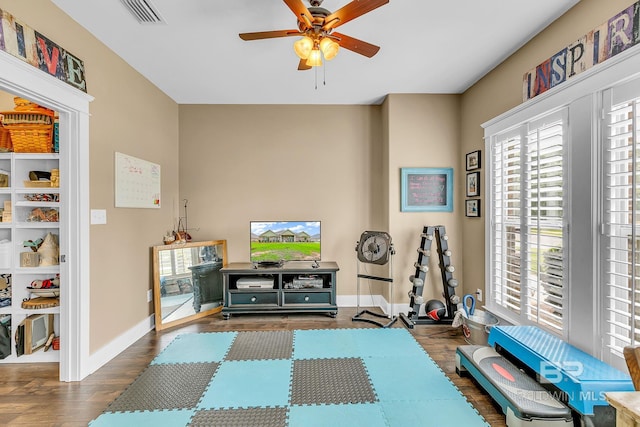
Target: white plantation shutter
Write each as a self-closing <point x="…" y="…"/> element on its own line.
<point x="527" y="170"/>
<point x="175" y="262"/>
<point x="620" y="261"/>
<point x="505" y="192"/>
<point x="166" y="263"/>
<point x="544" y="233"/>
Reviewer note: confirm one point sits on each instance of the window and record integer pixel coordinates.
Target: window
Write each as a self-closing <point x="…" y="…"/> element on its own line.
<point x="527" y="233"/>
<point x="563" y="208"/>
<point x="621" y="223"/>
<point x="175" y="262"/>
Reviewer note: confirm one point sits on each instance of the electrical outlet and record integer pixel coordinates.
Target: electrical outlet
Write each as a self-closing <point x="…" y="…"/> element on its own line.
<point x="149" y="295"/>
<point x="479" y="294"/>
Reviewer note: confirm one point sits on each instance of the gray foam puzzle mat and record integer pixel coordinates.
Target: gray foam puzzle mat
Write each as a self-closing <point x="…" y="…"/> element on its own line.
<point x="263" y="417"/>
<point x="166" y="387"/>
<point x="330" y="381"/>
<point x="261" y="345"/>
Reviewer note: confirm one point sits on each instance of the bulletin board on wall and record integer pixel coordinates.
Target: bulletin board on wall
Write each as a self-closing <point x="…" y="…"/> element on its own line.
<point x="137" y="182"/>
<point x="426" y="190"/>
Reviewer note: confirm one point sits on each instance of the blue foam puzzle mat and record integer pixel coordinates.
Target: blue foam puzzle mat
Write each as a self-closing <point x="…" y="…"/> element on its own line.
<point x="177" y="417"/>
<point x="243" y="384"/>
<point x="202" y="347"/>
<point x="398" y="384"/>
<point x="361" y="415"/>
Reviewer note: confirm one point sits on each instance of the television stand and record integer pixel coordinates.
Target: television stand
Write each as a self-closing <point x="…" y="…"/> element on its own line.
<point x="294" y="287"/>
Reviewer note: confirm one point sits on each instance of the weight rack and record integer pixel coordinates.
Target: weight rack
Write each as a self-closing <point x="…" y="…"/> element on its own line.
<point x="418" y="279"/>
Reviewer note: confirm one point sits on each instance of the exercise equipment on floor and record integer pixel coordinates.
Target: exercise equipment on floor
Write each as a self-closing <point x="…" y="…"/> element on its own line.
<point x="538" y="379"/>
<point x="524" y="401"/>
<point x="436" y="311"/>
<point x="583" y="378"/>
<point x="375" y="247"/>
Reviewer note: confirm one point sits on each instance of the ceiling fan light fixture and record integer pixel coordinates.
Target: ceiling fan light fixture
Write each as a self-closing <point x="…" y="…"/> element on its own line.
<point x="303" y="47"/>
<point x="329" y="48"/>
<point x="315" y="58"/>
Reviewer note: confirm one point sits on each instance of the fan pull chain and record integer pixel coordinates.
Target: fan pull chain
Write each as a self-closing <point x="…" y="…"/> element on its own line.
<point x="315" y="70"/>
<point x="324" y="74"/>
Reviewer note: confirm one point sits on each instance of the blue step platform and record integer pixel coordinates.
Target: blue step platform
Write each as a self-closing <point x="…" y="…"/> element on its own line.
<point x="524" y="401"/>
<point x="583" y="378"/>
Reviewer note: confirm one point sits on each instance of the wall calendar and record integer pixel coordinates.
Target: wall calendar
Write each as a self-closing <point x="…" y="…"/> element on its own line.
<point x="137" y="182"/>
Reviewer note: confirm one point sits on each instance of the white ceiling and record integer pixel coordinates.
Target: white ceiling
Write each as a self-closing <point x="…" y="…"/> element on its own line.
<point x="426" y="47"/>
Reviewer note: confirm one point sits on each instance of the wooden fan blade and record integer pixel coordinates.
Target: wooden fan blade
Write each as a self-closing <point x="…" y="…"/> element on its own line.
<point x="303" y="65"/>
<point x="355" y="45"/>
<point x="351" y="11"/>
<point x="300" y="10"/>
<point x="268" y="34"/>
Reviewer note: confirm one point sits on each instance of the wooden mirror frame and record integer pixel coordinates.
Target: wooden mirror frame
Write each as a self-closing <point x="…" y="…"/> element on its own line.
<point x="157" y="302"/>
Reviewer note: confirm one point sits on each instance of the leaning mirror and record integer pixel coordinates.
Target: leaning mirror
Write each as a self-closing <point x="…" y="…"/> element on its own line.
<point x="187" y="282"/>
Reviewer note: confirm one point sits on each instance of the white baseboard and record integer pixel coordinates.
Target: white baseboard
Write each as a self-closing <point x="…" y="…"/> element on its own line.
<point x="122" y="342"/>
<point x="371" y="301"/>
<point x="118" y="345"/>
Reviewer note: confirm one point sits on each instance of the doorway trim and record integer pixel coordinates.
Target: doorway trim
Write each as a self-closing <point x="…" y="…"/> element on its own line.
<point x="72" y="105"/>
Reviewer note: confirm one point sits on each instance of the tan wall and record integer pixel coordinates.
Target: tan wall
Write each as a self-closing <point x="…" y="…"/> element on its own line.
<point x="423" y="132"/>
<point x="242" y="163"/>
<point x="239" y="163"/>
<point x="501" y="90"/>
<point x="128" y="115"/>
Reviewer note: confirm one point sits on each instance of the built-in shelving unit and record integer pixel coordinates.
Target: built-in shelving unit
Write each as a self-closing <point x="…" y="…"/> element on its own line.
<point x="20" y="226"/>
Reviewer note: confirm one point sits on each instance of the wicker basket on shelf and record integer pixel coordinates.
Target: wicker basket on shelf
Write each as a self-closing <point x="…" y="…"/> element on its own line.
<point x="5" y="138"/>
<point x="31" y="131"/>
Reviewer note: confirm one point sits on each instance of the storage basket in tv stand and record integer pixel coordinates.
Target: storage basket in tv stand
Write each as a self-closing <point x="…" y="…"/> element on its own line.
<point x="297" y="287"/>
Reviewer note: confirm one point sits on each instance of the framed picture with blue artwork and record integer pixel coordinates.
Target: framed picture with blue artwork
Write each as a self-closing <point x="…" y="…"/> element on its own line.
<point x="472" y="208"/>
<point x="426" y="189"/>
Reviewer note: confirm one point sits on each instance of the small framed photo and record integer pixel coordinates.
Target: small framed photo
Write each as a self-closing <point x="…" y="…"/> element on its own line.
<point x="472" y="208"/>
<point x="474" y="160"/>
<point x="473" y="184"/>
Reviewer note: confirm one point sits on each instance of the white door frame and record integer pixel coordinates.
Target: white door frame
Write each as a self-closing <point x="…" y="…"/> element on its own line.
<point x="72" y="105"/>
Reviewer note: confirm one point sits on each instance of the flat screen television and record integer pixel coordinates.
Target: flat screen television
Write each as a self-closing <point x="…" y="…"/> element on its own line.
<point x="278" y="241"/>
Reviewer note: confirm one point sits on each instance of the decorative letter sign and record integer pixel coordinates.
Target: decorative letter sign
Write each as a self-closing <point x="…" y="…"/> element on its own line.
<point x="603" y="42"/>
<point x="22" y="41"/>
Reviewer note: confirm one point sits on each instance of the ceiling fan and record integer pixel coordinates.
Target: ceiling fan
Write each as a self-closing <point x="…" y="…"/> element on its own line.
<point x="316" y="25"/>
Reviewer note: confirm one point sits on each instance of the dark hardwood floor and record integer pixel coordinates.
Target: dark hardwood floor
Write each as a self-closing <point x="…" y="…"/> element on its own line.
<point x="31" y="395"/>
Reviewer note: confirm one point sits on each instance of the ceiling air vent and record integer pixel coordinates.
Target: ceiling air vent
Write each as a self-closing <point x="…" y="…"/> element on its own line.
<point x="143" y="11"/>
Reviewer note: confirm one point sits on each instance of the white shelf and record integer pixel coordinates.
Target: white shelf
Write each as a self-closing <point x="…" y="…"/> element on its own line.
<point x="37" y="224"/>
<point x="33" y="156"/>
<point x="31" y="204"/>
<point x="37" y="190"/>
<point x="54" y="269"/>
<point x="40" y="356"/>
<point x="29" y="312"/>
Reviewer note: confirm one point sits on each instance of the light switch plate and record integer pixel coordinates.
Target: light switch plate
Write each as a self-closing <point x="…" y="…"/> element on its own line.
<point x="98" y="216"/>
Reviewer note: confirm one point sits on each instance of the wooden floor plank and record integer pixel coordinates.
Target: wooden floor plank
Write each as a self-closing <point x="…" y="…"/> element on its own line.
<point x="33" y="396"/>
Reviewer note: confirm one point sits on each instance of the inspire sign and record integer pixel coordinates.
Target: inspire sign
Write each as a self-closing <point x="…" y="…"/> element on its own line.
<point x="22" y="41"/>
<point x="603" y="42"/>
